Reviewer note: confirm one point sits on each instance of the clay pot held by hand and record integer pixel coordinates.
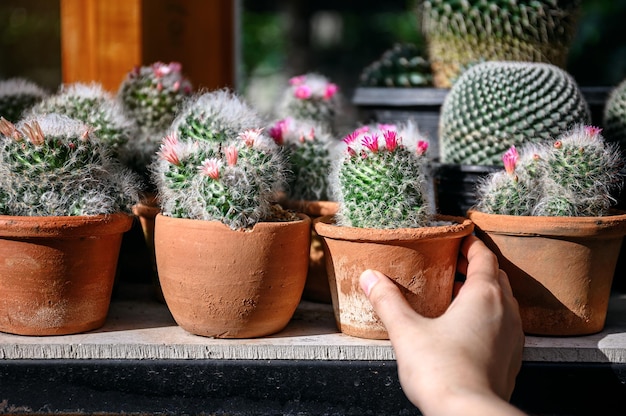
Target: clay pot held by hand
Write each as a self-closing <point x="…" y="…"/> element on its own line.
<point x="421" y="261"/>
<point x="560" y="268"/>
<point x="222" y="283"/>
<point x="57" y="273"/>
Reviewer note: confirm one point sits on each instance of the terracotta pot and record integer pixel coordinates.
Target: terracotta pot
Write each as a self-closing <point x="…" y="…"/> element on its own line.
<point x="57" y="273"/>
<point x="146" y="211"/>
<point x="316" y="288"/>
<point x="421" y="261"/>
<point x="561" y="268"/>
<point x="232" y="284"/>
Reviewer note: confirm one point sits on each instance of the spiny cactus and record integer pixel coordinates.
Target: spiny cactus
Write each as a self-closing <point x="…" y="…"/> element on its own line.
<point x="216" y="164"/>
<point x="17" y="95"/>
<point x="380" y="181"/>
<point x="94" y="106"/>
<point x="496" y="105"/>
<point x="53" y="165"/>
<point x="309" y="153"/>
<point x="459" y="33"/>
<point x="574" y="175"/>
<point x="614" y="118"/>
<point x="404" y="65"/>
<point x="310" y="97"/>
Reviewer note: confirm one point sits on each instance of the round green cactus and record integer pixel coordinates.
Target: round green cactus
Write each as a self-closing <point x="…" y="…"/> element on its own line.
<point x="614" y="118"/>
<point x="496" y="105"/>
<point x="404" y="65"/>
<point x="380" y="181"/>
<point x="462" y="33"/>
<point x="53" y="165"/>
<point x="574" y="175"/>
<point x="17" y="95"/>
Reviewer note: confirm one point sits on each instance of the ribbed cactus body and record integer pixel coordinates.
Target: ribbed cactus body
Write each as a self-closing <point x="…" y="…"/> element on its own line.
<point x="404" y="65"/>
<point x="496" y="105"/>
<point x="462" y="33"/>
<point x="17" y="95"/>
<point x="380" y="181"/>
<point x="614" y="118"/>
<point x="54" y="165"/>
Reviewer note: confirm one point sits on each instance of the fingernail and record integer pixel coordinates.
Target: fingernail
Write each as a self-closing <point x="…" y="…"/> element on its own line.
<point x="367" y="281"/>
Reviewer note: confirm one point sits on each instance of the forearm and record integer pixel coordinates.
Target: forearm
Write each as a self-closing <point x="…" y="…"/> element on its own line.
<point x="468" y="404"/>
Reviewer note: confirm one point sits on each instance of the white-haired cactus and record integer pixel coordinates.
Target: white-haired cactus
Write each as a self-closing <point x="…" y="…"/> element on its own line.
<point x="380" y="181"/>
<point x="404" y="65"/>
<point x="17" y="95"/>
<point x="53" y="165"/>
<point x="496" y="105"/>
<point x="216" y="164"/>
<point x="94" y="106"/>
<point x="309" y="152"/>
<point x="614" y="118"/>
<point x="574" y="175"/>
<point x="462" y="33"/>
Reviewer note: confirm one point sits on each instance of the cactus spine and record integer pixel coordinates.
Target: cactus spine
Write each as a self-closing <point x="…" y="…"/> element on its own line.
<point x="17" y="95"/>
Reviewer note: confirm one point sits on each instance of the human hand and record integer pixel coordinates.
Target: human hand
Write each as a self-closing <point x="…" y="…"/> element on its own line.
<point x="465" y="361"/>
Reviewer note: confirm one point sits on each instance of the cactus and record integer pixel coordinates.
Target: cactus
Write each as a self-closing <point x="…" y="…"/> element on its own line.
<point x="496" y="105"/>
<point x="17" y="95"/>
<point x="94" y="106"/>
<point x="216" y="164"/>
<point x="614" y="117"/>
<point x="380" y="180"/>
<point x="404" y="65"/>
<point x="310" y="97"/>
<point x="574" y="175"/>
<point x="459" y="33"/>
<point x="309" y="152"/>
<point x="53" y="165"/>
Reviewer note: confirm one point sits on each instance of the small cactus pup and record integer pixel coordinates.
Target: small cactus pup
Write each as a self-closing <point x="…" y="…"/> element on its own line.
<point x="17" y="95"/>
<point x="311" y="96"/>
<point x="614" y="117"/>
<point x="460" y="34"/>
<point x="404" y="65"/>
<point x="53" y="165"/>
<point x="575" y="175"/>
<point x="91" y="104"/>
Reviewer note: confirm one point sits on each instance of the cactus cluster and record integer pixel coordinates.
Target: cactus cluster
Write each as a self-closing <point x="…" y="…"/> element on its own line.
<point x="495" y="105"/>
<point x="53" y="165"/>
<point x="614" y="117"/>
<point x="94" y="106"/>
<point x="574" y="175"/>
<point x="404" y="65"/>
<point x="380" y="180"/>
<point x="460" y="33"/>
<point x="309" y="151"/>
<point x="17" y="95"/>
<point x="217" y="164"/>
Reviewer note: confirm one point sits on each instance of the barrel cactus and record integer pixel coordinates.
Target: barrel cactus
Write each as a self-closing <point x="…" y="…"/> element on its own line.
<point x="17" y="95"/>
<point x="462" y="33"/>
<point x="614" y="118"/>
<point x="380" y="181"/>
<point x="496" y="105"/>
<point x="404" y="65"/>
<point x="53" y="165"/>
<point x="574" y="175"/>
<point x="217" y="164"/>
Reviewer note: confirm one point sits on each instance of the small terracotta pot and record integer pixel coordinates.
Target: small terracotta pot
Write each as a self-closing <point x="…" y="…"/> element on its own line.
<point x="560" y="268"/>
<point x="317" y="288"/>
<point x="222" y="283"/>
<point x="146" y="211"/>
<point x="57" y="273"/>
<point x="421" y="261"/>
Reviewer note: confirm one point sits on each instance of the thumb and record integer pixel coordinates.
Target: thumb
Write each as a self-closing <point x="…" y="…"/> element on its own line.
<point x="388" y="302"/>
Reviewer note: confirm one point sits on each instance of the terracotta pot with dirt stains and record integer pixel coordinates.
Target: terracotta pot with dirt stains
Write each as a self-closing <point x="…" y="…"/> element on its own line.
<point x="57" y="273"/>
<point x="421" y="261"/>
<point x="222" y="283"/>
<point x="560" y="268"/>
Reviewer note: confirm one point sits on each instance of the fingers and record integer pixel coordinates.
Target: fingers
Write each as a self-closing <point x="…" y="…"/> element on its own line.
<point x="477" y="260"/>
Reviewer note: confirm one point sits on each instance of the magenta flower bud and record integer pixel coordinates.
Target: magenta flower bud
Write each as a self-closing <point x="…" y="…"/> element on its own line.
<point x="302" y="92"/>
<point x="391" y="140"/>
<point x="593" y="130"/>
<point x="299" y="80"/>
<point x="422" y="147"/>
<point x="510" y="160"/>
<point x="371" y="143"/>
<point x="331" y="90"/>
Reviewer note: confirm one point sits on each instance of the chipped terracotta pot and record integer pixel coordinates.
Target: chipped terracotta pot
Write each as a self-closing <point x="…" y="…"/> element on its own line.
<point x="421" y="261"/>
<point x="316" y="288"/>
<point x="560" y="268"/>
<point x="57" y="273"/>
<point x="222" y="283"/>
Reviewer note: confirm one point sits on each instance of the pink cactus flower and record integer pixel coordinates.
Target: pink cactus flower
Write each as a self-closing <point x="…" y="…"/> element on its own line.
<point x="169" y="150"/>
<point x="330" y="91"/>
<point x="249" y="136"/>
<point x="391" y="140"/>
<point x="299" y="80"/>
<point x="510" y="160"/>
<point x="302" y="92"/>
<point x="593" y="130"/>
<point x="211" y="168"/>
<point x="232" y="154"/>
<point x="351" y="138"/>
<point x="278" y="130"/>
<point x="422" y="147"/>
<point x="371" y="143"/>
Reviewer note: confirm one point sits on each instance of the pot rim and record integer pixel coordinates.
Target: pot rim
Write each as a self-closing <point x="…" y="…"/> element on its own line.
<point x="325" y="227"/>
<point x="215" y="224"/>
<point x="612" y="225"/>
<point x="64" y="226"/>
<point x="317" y="208"/>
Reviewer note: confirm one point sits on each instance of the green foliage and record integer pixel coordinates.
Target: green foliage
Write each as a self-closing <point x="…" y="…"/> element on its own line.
<point x="404" y="65"/>
<point x="17" y="95"/>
